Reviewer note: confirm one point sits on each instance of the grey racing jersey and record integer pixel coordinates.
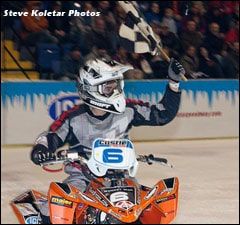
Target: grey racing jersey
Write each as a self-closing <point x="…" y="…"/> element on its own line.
<point x="79" y="127"/>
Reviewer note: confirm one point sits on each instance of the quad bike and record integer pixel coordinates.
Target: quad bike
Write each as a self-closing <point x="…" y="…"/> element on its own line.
<point x="113" y="195"/>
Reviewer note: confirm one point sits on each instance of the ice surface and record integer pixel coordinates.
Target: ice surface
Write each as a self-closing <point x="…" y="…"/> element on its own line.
<point x="208" y="171"/>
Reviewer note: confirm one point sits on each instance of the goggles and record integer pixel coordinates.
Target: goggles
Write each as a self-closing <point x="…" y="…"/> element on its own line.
<point x="107" y="88"/>
<point x="110" y="87"/>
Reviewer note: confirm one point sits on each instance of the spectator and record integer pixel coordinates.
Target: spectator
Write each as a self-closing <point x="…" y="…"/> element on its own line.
<point x="234" y="58"/>
<point x="119" y="15"/>
<point x="227" y="6"/>
<point x="8" y="21"/>
<point x="134" y="74"/>
<point x="199" y="24"/>
<point x="134" y="60"/>
<point x="138" y="61"/>
<point x="35" y="29"/>
<point x="100" y="34"/>
<point x="169" y="39"/>
<point x="209" y="65"/>
<point x="121" y="55"/>
<point x="156" y="27"/>
<point x="181" y="7"/>
<point x="232" y="35"/>
<point x="235" y="15"/>
<point x="79" y="24"/>
<point x="229" y="67"/>
<point x="214" y="40"/>
<point x="99" y="50"/>
<point x="154" y="13"/>
<point x="87" y="6"/>
<point x="143" y="6"/>
<point x="200" y="16"/>
<point x="197" y="9"/>
<point x="104" y="8"/>
<point x="169" y="20"/>
<point x="216" y="15"/>
<point x="228" y="10"/>
<point x="80" y="27"/>
<point x="77" y="35"/>
<point x="190" y="62"/>
<point x="191" y="36"/>
<point x="226" y="14"/>
<point x="197" y="14"/>
<point x="176" y="10"/>
<point x="212" y="25"/>
<point x="176" y="5"/>
<point x="71" y="64"/>
<point x="159" y="66"/>
<point x="59" y="26"/>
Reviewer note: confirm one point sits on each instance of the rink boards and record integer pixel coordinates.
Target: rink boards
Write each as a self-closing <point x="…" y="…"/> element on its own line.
<point x="208" y="109"/>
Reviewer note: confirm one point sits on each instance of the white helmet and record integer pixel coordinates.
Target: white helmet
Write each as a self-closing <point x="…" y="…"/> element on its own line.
<point x="100" y="85"/>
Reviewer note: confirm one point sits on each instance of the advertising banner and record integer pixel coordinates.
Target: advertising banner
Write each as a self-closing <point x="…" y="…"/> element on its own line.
<point x="208" y="109"/>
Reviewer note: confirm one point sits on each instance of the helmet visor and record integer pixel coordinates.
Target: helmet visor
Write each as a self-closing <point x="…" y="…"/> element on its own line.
<point x="110" y="87"/>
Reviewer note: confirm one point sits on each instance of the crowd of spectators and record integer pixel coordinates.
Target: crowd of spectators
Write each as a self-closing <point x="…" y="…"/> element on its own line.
<point x="202" y="35"/>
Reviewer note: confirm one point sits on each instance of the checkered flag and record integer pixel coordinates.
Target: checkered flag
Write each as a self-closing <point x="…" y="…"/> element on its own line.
<point x="137" y="36"/>
<point x="132" y="39"/>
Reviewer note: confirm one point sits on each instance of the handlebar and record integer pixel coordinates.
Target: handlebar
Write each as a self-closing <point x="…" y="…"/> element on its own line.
<point x="63" y="156"/>
<point x="150" y="159"/>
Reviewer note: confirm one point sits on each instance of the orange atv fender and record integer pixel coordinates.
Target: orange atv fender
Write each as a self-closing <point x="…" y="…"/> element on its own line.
<point x="164" y="208"/>
<point x="62" y="203"/>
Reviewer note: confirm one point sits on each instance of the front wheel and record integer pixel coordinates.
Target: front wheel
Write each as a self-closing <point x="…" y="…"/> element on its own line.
<point x="95" y="216"/>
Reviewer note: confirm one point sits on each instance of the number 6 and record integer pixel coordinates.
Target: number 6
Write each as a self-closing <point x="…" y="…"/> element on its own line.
<point x="112" y="155"/>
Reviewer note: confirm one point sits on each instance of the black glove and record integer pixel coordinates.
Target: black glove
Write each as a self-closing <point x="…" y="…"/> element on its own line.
<point x="41" y="154"/>
<point x="175" y="70"/>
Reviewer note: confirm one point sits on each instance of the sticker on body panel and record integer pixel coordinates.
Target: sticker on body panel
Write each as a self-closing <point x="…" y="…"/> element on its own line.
<point x="36" y="219"/>
<point x="124" y="204"/>
<point x="61" y="201"/>
<point x="111" y="155"/>
<point x="98" y="197"/>
<point x="113" y="143"/>
<point x="160" y="200"/>
<point x="117" y="194"/>
<point x="151" y="193"/>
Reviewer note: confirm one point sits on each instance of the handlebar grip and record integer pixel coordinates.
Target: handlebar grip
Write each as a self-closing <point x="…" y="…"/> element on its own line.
<point x="151" y="158"/>
<point x="63" y="156"/>
<point x="160" y="160"/>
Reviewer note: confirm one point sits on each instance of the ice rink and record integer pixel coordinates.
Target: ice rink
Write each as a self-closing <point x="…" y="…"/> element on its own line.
<point x="208" y="171"/>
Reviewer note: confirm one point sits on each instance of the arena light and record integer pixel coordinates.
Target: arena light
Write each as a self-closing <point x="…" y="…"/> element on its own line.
<point x="76" y="4"/>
